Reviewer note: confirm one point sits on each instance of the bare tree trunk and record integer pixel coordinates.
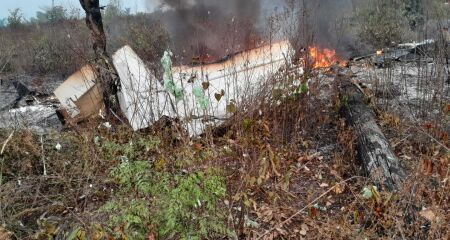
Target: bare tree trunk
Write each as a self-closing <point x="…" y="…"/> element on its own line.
<point x="107" y="75"/>
<point x="374" y="151"/>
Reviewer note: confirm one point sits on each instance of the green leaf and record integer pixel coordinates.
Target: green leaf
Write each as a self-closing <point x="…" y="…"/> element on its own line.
<point x="77" y="234"/>
<point x="231" y="108"/>
<point x="370" y="192"/>
<point x="304" y="88"/>
<point x="219" y="96"/>
<point x="202" y="101"/>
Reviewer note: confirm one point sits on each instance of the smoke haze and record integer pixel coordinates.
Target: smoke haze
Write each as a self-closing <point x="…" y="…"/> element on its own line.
<point x="217" y="28"/>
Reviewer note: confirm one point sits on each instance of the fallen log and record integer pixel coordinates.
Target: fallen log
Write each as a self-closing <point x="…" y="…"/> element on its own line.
<point x="374" y="152"/>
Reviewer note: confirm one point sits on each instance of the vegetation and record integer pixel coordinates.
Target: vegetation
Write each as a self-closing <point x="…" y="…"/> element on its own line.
<point x="51" y="15"/>
<point x="15" y="18"/>
<point x="57" y="41"/>
<point x="114" y="10"/>
<point x="383" y="24"/>
<point x="283" y="167"/>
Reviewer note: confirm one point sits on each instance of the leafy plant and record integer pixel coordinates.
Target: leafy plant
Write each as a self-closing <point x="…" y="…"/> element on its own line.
<point x="190" y="209"/>
<point x="131" y="150"/>
<point x="178" y="205"/>
<point x="130" y="209"/>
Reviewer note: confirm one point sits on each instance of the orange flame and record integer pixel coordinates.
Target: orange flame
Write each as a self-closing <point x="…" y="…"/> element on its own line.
<point x="324" y="58"/>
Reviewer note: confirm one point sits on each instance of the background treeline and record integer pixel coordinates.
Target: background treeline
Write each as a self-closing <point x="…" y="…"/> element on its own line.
<point x="57" y="41"/>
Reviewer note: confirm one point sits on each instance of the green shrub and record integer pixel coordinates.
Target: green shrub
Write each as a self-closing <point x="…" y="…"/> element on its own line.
<point x="382" y="23"/>
<point x="189" y="208"/>
<point x="178" y="205"/>
<point x="130" y="209"/>
<point x="136" y="147"/>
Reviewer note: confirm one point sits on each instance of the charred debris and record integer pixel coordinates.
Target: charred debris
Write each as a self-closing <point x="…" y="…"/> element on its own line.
<point x="79" y="97"/>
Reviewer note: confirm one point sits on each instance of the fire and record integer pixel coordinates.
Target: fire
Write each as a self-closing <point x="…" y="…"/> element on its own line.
<point x="324" y="58"/>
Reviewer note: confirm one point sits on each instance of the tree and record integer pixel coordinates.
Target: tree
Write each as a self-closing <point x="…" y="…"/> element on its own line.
<point x="414" y="12"/>
<point x="51" y="15"/>
<point x="383" y="23"/>
<point x="3" y="22"/>
<point x="107" y="75"/>
<point x="56" y="14"/>
<point x="113" y="9"/>
<point x="15" y="18"/>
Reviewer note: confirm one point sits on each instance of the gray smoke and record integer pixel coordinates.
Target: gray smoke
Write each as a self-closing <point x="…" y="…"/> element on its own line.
<point x="217" y="28"/>
<point x="214" y="28"/>
<point x="328" y="24"/>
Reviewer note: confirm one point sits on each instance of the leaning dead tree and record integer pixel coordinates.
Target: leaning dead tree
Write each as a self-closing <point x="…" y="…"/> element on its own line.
<point x="374" y="151"/>
<point x="107" y="75"/>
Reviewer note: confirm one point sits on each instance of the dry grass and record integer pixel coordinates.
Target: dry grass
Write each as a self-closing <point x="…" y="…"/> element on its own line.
<point x="298" y="155"/>
<point x="288" y="158"/>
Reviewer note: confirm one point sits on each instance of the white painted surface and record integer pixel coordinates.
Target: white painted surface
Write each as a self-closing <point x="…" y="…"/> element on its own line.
<point x="142" y="98"/>
<point x="239" y="77"/>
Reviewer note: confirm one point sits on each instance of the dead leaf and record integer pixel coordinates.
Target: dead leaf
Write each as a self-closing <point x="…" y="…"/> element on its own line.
<point x="219" y="96"/>
<point x="334" y="173"/>
<point x="304" y="227"/>
<point x="427" y="166"/>
<point x="339" y="188"/>
<point x="428" y="215"/>
<point x="443" y="167"/>
<point x="205" y="85"/>
<point x="313" y="212"/>
<point x="303" y="232"/>
<point x="444" y="137"/>
<point x="282" y="231"/>
<point x="198" y="146"/>
<point x="5" y="234"/>
<point x="428" y="125"/>
<point x="231" y="108"/>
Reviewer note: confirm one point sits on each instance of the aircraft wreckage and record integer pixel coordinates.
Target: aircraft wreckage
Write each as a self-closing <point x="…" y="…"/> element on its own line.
<point x="189" y="93"/>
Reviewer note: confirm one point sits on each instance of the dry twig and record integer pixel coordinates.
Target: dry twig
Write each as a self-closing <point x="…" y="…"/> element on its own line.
<point x="307" y="206"/>
<point x="6" y="142"/>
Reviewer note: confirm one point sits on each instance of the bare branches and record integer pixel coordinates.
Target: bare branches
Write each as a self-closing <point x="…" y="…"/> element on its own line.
<point x="6" y="142"/>
<point x="307" y="206"/>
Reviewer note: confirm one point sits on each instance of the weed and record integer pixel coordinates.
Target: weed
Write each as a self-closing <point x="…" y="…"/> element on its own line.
<point x="182" y="205"/>
<point x="190" y="209"/>
<point x="136" y="147"/>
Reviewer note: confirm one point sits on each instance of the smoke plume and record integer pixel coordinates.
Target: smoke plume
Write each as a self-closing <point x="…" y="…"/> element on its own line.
<point x="213" y="28"/>
<point x="216" y="28"/>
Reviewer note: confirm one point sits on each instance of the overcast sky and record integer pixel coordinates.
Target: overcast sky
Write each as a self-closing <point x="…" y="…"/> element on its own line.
<point x="30" y="7"/>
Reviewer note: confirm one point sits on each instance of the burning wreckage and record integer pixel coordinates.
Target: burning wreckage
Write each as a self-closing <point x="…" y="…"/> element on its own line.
<point x="199" y="95"/>
<point x="207" y="94"/>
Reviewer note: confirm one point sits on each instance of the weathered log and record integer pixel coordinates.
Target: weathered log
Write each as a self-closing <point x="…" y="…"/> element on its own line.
<point x="374" y="151"/>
